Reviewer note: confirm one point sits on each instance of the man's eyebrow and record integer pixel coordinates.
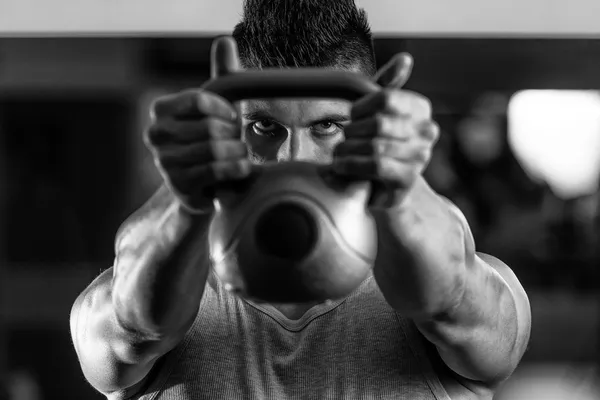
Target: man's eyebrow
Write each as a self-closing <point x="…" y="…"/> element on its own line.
<point x="264" y="115"/>
<point x="257" y="115"/>
<point x="333" y="117"/>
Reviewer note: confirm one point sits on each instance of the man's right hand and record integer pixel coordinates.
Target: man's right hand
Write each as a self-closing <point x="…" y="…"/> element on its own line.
<point x="195" y="137"/>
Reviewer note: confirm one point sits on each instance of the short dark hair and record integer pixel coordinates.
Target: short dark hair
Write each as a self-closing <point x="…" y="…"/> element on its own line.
<point x="305" y="33"/>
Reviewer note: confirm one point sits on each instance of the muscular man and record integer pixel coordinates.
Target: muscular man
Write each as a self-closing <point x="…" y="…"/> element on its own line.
<point x="434" y="320"/>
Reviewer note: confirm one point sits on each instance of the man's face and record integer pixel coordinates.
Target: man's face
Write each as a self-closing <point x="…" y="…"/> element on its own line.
<point x="293" y="130"/>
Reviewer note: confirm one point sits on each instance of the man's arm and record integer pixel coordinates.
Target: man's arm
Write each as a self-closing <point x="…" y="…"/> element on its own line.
<point x="469" y="305"/>
<point x="123" y="323"/>
<point x="140" y="309"/>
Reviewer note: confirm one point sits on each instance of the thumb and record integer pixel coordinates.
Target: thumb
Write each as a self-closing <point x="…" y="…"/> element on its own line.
<point x="224" y="58"/>
<point x="395" y="73"/>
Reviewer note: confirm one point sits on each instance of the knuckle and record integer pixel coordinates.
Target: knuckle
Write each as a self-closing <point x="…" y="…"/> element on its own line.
<point x="151" y="135"/>
<point x="215" y="150"/>
<point x="378" y="146"/>
<point x="162" y="105"/>
<point x="156" y="108"/>
<point x="242" y="167"/>
<point x="426" y="155"/>
<point x="237" y="149"/>
<point x="224" y="129"/>
<point x="214" y="105"/>
<point x="421" y="105"/>
<point x="379" y="166"/>
<point x="202" y="101"/>
<point x="430" y="131"/>
<point x="213" y="127"/>
<point x="435" y="131"/>
<point x="382" y="123"/>
<point x="424" y="106"/>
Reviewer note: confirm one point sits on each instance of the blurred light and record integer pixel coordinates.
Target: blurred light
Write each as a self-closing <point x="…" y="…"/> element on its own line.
<point x="555" y="134"/>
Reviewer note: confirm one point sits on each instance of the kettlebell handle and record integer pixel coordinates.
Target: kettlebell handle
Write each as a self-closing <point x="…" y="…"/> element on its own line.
<point x="292" y="83"/>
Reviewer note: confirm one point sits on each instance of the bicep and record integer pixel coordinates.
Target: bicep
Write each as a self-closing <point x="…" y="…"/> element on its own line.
<point x="107" y="356"/>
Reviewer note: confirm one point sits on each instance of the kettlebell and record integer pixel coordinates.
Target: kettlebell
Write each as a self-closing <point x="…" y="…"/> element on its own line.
<point x="292" y="232"/>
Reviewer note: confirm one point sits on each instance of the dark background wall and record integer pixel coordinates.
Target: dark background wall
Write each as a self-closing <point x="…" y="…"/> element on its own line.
<point x="73" y="167"/>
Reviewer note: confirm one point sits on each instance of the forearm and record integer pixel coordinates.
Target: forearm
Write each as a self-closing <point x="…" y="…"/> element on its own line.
<point x="473" y="309"/>
<point x="160" y="272"/>
<point x="422" y="259"/>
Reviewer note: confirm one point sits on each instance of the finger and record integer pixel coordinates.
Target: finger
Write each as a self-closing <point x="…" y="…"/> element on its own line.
<point x="201" y="178"/>
<point x="193" y="103"/>
<point x="179" y="156"/>
<point x="396" y="72"/>
<point x="224" y="57"/>
<point x="380" y="125"/>
<point x="391" y="172"/>
<point x="402" y="103"/>
<point x="169" y="131"/>
<point x="414" y="151"/>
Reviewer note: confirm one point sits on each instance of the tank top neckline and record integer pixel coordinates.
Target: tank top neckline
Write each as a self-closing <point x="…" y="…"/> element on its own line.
<point x="310" y="315"/>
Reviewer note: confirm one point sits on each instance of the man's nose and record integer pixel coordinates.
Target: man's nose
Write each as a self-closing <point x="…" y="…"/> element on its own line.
<point x="296" y="147"/>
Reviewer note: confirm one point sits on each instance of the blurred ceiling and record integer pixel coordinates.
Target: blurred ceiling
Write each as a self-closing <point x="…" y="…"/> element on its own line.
<point x="540" y="18"/>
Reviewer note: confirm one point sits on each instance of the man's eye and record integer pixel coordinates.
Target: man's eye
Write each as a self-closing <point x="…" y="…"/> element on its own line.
<point x="326" y="128"/>
<point x="264" y="127"/>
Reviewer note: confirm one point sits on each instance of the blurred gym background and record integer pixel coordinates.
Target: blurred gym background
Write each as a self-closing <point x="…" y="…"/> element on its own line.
<point x="519" y="154"/>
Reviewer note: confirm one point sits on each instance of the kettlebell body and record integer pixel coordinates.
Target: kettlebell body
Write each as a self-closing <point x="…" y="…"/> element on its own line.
<point x="293" y="232"/>
<point x="294" y="236"/>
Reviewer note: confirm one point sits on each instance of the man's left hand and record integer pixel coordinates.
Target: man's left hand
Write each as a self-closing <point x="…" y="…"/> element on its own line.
<point x="390" y="138"/>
